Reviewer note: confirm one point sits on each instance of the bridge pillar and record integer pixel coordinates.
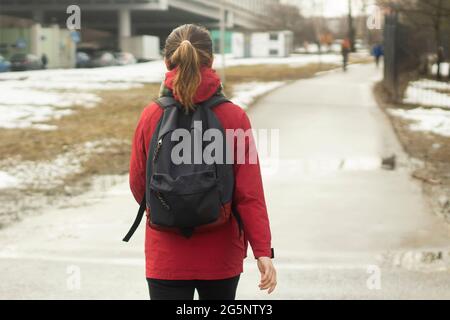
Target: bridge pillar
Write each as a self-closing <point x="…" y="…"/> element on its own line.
<point x="124" y="25"/>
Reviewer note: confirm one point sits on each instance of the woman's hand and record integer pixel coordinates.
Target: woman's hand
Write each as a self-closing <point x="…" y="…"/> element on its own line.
<point x="268" y="274"/>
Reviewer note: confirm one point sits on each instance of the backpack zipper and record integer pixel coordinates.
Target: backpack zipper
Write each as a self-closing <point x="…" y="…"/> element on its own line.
<point x="159" y="196"/>
<point x="158" y="148"/>
<point x="162" y="200"/>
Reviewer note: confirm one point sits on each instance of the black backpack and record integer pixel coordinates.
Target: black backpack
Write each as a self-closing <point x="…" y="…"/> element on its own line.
<point x="192" y="196"/>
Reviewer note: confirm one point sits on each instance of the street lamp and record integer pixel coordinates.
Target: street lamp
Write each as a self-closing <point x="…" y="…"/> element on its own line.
<point x="351" y="30"/>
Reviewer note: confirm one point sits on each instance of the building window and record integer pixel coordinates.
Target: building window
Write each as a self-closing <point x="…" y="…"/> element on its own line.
<point x="273" y="37"/>
<point x="273" y="52"/>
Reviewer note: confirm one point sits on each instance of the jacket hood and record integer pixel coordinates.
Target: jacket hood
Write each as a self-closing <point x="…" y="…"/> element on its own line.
<point x="210" y="83"/>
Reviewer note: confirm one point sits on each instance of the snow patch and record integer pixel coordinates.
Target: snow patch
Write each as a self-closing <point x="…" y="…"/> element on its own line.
<point x="244" y="94"/>
<point x="22" y="107"/>
<point x="445" y="69"/>
<point x="32" y="97"/>
<point x="7" y="181"/>
<point x="117" y="77"/>
<point x="423" y="92"/>
<point x="431" y="84"/>
<point x="435" y="120"/>
<point x="46" y="175"/>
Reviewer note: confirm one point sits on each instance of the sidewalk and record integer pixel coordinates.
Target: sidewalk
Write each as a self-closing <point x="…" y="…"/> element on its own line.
<point x="334" y="212"/>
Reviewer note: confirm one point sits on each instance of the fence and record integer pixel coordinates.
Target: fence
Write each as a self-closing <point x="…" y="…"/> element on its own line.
<point x="408" y="49"/>
<point x="390" y="55"/>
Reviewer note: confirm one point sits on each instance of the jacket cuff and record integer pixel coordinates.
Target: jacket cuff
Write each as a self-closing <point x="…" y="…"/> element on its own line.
<point x="270" y="253"/>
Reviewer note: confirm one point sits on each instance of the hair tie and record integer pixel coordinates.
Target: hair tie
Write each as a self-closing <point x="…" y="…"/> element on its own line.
<point x="185" y="41"/>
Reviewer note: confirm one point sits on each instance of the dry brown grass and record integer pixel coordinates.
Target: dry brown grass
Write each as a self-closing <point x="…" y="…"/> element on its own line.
<point x="274" y="72"/>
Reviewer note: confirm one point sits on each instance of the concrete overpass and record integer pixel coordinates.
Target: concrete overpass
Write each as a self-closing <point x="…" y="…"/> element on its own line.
<point x="134" y="17"/>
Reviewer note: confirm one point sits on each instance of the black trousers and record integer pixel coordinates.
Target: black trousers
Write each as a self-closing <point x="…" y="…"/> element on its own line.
<point x="184" y="289"/>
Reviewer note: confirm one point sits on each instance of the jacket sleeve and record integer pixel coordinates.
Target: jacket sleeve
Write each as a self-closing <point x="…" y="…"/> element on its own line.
<point x="249" y="196"/>
<point x="138" y="161"/>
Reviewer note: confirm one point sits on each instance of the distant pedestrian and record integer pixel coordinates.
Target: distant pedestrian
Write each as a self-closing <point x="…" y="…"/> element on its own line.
<point x="440" y="61"/>
<point x="44" y="60"/>
<point x="345" y="50"/>
<point x="200" y="217"/>
<point x="378" y="52"/>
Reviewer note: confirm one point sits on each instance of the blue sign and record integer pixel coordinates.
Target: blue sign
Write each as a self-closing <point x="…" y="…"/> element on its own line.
<point x="21" y="44"/>
<point x="75" y="35"/>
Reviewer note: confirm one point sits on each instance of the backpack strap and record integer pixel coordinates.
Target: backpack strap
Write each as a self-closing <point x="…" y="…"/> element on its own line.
<point x="215" y="101"/>
<point x="137" y="221"/>
<point x="166" y="102"/>
<point x="169" y="101"/>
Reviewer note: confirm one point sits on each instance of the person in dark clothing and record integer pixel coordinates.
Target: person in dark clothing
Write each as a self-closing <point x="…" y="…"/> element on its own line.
<point x="377" y="52"/>
<point x="345" y="50"/>
<point x="224" y="289"/>
<point x="44" y="60"/>
<point x="440" y="61"/>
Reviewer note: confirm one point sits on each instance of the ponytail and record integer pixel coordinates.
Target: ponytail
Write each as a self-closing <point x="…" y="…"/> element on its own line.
<point x="188" y="48"/>
<point x="188" y="77"/>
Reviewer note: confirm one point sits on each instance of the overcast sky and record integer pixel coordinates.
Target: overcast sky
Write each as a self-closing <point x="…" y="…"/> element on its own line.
<point x="330" y="8"/>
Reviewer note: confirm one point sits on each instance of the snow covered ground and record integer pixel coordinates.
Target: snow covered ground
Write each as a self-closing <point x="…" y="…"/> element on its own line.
<point x="245" y="94"/>
<point x="434" y="120"/>
<point x="426" y="93"/>
<point x="445" y="68"/>
<point x="23" y="107"/>
<point x="32" y="97"/>
<point x="7" y="180"/>
<point x="45" y="175"/>
<point x="434" y="99"/>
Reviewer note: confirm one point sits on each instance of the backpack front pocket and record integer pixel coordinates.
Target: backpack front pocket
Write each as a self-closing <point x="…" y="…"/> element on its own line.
<point x="187" y="202"/>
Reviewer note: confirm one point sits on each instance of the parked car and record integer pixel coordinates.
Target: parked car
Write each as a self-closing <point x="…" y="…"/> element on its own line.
<point x="124" y="58"/>
<point x="83" y="60"/>
<point x="102" y="59"/>
<point x="24" y="61"/>
<point x="5" y="65"/>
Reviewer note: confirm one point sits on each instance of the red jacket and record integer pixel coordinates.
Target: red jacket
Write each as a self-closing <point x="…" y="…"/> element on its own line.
<point x="218" y="254"/>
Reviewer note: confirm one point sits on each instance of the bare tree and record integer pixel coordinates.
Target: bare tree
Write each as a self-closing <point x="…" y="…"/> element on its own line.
<point x="289" y="17"/>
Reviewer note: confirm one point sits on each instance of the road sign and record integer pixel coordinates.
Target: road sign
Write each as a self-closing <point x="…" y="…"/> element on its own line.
<point x="21" y="43"/>
<point x="75" y="35"/>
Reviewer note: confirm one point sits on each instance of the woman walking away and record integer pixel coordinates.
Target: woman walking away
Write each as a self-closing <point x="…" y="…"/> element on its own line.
<point x="201" y="214"/>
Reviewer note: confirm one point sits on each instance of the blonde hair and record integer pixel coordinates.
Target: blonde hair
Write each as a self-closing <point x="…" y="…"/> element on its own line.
<point x="188" y="48"/>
